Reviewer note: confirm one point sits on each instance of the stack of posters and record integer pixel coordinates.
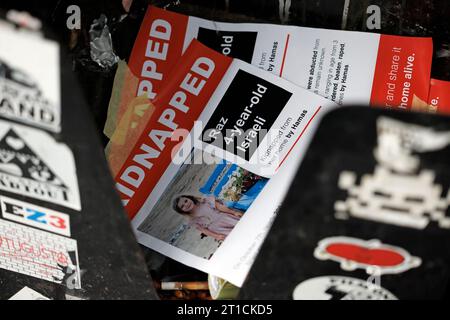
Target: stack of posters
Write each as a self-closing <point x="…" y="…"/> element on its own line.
<point x="209" y="121"/>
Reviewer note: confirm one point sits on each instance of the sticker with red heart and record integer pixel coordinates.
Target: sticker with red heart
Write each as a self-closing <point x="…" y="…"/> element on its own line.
<point x="372" y="255"/>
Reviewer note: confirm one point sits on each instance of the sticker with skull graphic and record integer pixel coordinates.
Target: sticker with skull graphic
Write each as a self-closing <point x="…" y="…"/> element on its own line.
<point x="398" y="192"/>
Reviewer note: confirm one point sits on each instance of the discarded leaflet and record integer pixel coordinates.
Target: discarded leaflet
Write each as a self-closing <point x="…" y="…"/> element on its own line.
<point x="344" y="66"/>
<point x="164" y="35"/>
<point x="326" y="62"/>
<point x="191" y="197"/>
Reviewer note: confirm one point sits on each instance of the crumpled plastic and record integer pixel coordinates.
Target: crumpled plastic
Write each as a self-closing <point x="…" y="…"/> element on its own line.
<point x="127" y="117"/>
<point x="101" y="43"/>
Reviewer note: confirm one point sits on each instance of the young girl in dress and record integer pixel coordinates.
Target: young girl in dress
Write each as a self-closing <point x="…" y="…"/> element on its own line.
<point x="208" y="215"/>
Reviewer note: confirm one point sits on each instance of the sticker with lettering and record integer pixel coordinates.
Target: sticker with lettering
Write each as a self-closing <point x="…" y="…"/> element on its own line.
<point x="39" y="254"/>
<point x="35" y="216"/>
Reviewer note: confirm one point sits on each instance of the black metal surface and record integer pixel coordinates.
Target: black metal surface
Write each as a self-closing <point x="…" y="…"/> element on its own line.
<point x="308" y="214"/>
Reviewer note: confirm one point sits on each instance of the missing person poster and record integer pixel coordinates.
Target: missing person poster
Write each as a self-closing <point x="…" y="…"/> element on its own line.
<point x="197" y="182"/>
<point x="235" y="133"/>
<point x="344" y="66"/>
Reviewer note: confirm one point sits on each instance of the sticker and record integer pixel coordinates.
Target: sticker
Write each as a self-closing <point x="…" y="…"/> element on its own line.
<point x="28" y="294"/>
<point x="410" y="201"/>
<point x="30" y="84"/>
<point x="39" y="254"/>
<point x="340" y="288"/>
<point x="373" y="256"/>
<point x="400" y="144"/>
<point x="35" y="216"/>
<point x="398" y="192"/>
<point x="33" y="164"/>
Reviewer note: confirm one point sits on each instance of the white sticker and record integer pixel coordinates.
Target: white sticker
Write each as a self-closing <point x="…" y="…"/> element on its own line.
<point x="340" y="288"/>
<point x="35" y="216"/>
<point x="30" y="80"/>
<point x="39" y="254"/>
<point x="33" y="164"/>
<point x="28" y="294"/>
<point x="399" y="192"/>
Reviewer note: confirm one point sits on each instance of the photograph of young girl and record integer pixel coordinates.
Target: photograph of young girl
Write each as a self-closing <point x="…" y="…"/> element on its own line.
<point x="209" y="215"/>
<point x="202" y="204"/>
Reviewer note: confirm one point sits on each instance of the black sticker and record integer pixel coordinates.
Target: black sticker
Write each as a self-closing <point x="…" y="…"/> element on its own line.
<point x="246" y="112"/>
